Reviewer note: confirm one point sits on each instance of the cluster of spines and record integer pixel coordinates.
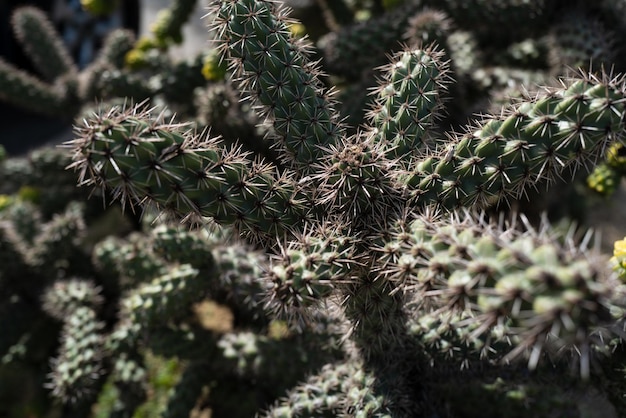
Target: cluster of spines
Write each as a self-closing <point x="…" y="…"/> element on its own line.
<point x="189" y="176"/>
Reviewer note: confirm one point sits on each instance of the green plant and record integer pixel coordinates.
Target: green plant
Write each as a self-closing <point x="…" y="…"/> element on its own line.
<point x="377" y="264"/>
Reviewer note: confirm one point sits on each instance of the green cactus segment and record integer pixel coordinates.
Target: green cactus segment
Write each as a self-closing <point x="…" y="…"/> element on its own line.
<point x="506" y="287"/>
<point x="273" y="67"/>
<point x="78" y="367"/>
<point x="188" y="176"/>
<point x="99" y="7"/>
<point x="409" y="101"/>
<point x="65" y="296"/>
<point x="59" y="240"/>
<point x="184" y="396"/>
<point x="130" y="377"/>
<point x="492" y="20"/>
<point x="126" y="262"/>
<point x="240" y="271"/>
<point x="26" y="91"/>
<point x="307" y="271"/>
<point x="169" y="22"/>
<point x="535" y="140"/>
<point x="356" y="49"/>
<point x="443" y="342"/>
<point x="111" y="57"/>
<point x="580" y="40"/>
<point x="344" y="389"/>
<point x="42" y="43"/>
<point x="374" y="309"/>
<point x="167" y="296"/>
<point x="115" y="47"/>
<point x="428" y="27"/>
<point x="24" y="217"/>
<point x="355" y="184"/>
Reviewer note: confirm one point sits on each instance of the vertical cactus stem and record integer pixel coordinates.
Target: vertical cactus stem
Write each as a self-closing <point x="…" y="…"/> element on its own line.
<point x="273" y="68"/>
<point x="355" y="184"/>
<point x="142" y="160"/>
<point x="409" y="101"/>
<point x="42" y="43"/>
<point x="535" y="141"/>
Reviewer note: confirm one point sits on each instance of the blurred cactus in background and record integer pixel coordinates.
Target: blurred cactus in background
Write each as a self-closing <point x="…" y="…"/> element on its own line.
<point x="338" y="208"/>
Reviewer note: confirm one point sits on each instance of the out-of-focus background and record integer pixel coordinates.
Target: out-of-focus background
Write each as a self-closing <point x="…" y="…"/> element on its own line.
<point x="21" y="131"/>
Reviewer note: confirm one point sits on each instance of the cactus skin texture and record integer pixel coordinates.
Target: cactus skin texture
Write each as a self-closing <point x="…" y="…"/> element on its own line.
<point x="298" y="266"/>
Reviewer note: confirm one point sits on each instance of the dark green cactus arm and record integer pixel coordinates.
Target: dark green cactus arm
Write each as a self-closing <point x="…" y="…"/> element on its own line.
<point x="42" y="43"/>
<point x="409" y="101"/>
<point x="26" y="91"/>
<point x="59" y="241"/>
<point x="536" y="140"/>
<point x="165" y="298"/>
<point x="65" y="296"/>
<point x="343" y="389"/>
<point x="185" y="394"/>
<point x="307" y="270"/>
<point x="110" y="57"/>
<point x="578" y="40"/>
<point x="25" y="217"/>
<point x="272" y="66"/>
<point x="144" y="160"/>
<point x="12" y="257"/>
<point x="492" y="20"/>
<point x="127" y="263"/>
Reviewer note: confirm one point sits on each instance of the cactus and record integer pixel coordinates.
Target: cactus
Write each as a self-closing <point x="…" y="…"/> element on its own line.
<point x="364" y="270"/>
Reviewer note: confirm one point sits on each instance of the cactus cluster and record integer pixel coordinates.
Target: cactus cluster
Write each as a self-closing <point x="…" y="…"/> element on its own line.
<point x="365" y="246"/>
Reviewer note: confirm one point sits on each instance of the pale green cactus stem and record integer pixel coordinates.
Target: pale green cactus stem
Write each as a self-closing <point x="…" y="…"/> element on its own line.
<point x="272" y="67"/>
<point x="535" y="141"/>
<point x="42" y="43"/>
<point x="409" y="102"/>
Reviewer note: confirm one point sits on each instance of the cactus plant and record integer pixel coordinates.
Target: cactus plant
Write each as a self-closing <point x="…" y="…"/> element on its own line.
<point x="378" y="265"/>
